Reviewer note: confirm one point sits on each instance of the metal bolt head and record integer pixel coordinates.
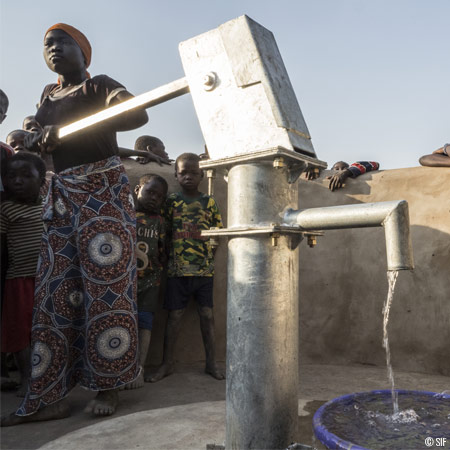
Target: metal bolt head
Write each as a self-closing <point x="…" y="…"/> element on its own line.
<point x="209" y="81"/>
<point x="275" y="237"/>
<point x="278" y="163"/>
<point x="312" y="241"/>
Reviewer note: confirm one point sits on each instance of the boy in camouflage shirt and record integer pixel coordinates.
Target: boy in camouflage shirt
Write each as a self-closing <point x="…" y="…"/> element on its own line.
<point x="191" y="262"/>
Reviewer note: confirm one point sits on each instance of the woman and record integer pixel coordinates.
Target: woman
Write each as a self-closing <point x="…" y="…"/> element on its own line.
<point x="84" y="323"/>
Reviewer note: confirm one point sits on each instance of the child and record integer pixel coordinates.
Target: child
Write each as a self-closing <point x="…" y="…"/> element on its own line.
<point x="147" y="149"/>
<point x="151" y="256"/>
<point x="16" y="139"/>
<point x="191" y="262"/>
<point x="344" y="171"/>
<point x="84" y="322"/>
<point x="6" y="383"/>
<point x="154" y="147"/>
<point x="21" y="230"/>
<point x="30" y="124"/>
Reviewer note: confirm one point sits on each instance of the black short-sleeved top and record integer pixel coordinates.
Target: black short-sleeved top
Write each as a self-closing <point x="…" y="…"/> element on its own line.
<point x="89" y="97"/>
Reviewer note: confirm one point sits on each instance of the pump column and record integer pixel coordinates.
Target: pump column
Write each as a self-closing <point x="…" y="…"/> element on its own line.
<point x="262" y="321"/>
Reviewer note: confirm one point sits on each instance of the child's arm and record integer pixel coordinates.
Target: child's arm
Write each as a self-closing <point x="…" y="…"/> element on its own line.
<point x="145" y="157"/>
<point x="435" y="160"/>
<point x="168" y="226"/>
<point x="4" y="251"/>
<point x="216" y="222"/>
<point x="439" y="158"/>
<point x="162" y="244"/>
<point x="360" y="167"/>
<point x="355" y="170"/>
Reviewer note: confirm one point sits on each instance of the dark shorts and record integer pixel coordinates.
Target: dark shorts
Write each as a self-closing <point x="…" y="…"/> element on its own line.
<point x="180" y="289"/>
<point x="145" y="320"/>
<point x="147" y="298"/>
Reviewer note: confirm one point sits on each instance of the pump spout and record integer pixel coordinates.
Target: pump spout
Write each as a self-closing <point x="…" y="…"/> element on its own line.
<point x="393" y="216"/>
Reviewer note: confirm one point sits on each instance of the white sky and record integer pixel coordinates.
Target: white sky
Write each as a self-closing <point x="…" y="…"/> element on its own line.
<point x="372" y="76"/>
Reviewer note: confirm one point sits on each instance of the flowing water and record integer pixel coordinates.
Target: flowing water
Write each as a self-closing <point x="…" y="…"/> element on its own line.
<point x="392" y="278"/>
<point x="382" y="420"/>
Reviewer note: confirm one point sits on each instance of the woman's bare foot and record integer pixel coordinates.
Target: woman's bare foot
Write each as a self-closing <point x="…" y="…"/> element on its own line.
<point x="104" y="404"/>
<point x="215" y="372"/>
<point x="59" y="410"/>
<point x="164" y="371"/>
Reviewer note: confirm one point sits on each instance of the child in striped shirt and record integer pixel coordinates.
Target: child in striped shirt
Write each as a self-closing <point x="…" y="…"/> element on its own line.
<point x="344" y="171"/>
<point x="21" y="229"/>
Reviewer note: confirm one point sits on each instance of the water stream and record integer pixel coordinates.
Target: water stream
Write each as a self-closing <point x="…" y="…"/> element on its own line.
<point x="392" y="279"/>
<point x="374" y="420"/>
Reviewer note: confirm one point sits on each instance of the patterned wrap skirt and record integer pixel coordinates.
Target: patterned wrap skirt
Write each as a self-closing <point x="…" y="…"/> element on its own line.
<point x="84" y="327"/>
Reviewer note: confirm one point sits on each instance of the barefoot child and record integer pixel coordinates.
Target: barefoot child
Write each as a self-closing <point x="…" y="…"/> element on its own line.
<point x="151" y="257"/>
<point x="21" y="230"/>
<point x="191" y="262"/>
<point x="84" y="322"/>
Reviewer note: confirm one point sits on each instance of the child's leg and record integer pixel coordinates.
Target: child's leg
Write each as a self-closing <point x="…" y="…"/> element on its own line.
<point x="209" y="341"/>
<point x="170" y="338"/>
<point x="22" y="358"/>
<point x="204" y="297"/>
<point x="145" y="321"/>
<point x="144" y="344"/>
<point x="178" y="292"/>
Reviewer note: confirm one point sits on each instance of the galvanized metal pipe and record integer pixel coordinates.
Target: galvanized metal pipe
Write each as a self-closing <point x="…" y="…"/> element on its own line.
<point x="262" y="314"/>
<point x="393" y="216"/>
<point x="146" y="100"/>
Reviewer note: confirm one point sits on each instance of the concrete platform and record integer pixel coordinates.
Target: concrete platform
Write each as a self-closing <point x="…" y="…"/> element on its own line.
<point x="187" y="410"/>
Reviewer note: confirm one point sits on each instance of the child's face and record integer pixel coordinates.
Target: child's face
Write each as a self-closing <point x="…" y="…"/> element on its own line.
<point x="62" y="54"/>
<point x="30" y="124"/>
<point x="23" y="181"/>
<point x="340" y="165"/>
<point x="15" y="140"/>
<point x="189" y="175"/>
<point x="159" y="150"/>
<point x="150" y="196"/>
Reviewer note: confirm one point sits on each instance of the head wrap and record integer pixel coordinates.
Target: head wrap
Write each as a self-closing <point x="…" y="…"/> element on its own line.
<point x="78" y="37"/>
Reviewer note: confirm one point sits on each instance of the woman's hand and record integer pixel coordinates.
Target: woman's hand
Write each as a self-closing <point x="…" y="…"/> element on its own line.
<point x="32" y="141"/>
<point x="50" y="139"/>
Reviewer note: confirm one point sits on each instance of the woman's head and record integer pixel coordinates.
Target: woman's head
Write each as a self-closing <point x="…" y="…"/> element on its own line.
<point x="66" y="50"/>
